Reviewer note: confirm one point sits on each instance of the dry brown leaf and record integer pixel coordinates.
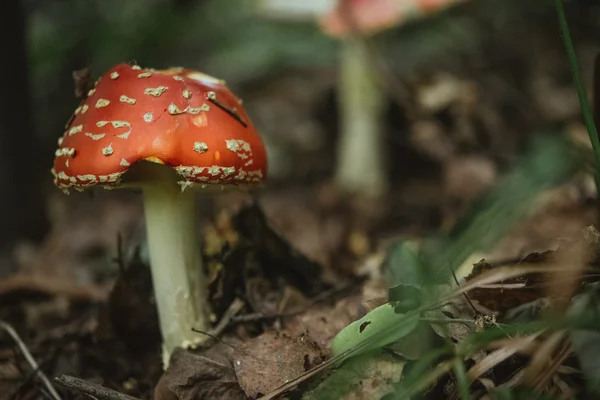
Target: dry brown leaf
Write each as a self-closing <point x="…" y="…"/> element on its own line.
<point x="272" y="359"/>
<point x="193" y="377"/>
<point x="323" y="322"/>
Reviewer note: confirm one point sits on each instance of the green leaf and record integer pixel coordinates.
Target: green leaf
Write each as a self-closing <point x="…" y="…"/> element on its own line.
<point x="370" y="327"/>
<point x="493" y="214"/>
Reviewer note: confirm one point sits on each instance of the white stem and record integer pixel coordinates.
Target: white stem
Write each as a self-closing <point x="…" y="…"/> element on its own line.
<point x="360" y="157"/>
<point x="180" y="286"/>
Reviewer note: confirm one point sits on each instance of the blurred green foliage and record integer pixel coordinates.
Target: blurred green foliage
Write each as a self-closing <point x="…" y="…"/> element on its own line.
<point x="228" y="39"/>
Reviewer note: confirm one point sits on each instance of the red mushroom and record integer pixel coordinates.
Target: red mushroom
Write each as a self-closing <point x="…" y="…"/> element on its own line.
<point x="167" y="133"/>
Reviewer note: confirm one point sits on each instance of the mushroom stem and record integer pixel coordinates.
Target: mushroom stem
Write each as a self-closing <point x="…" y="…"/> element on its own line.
<point x="360" y="159"/>
<point x="180" y="285"/>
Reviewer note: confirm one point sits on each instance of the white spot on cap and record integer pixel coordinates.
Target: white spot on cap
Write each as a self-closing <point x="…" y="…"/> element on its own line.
<point x="232" y="145"/>
<point x="114" y="75"/>
<point x="239" y="147"/>
<point x="91" y="92"/>
<point x="187" y="94"/>
<point x="107" y="151"/>
<point x="203" y="107"/>
<point x="84" y="108"/>
<point x="60" y="141"/>
<point x="124" y="135"/>
<point x="88" y="177"/>
<point x="75" y="129"/>
<point x="241" y="175"/>
<point x="124" y="163"/>
<point x="67" y="163"/>
<point x="205" y="78"/>
<point x="125" y="99"/>
<point x="148" y="117"/>
<point x="178" y="78"/>
<point x="95" y="136"/>
<point x="102" y="103"/>
<point x="100" y="124"/>
<point x="77" y="110"/>
<point x="200" y="147"/>
<point x="120" y="124"/>
<point x="145" y="75"/>
<point x="136" y="67"/>
<point x="157" y="91"/>
<point x="174" y="110"/>
<point x="65" y="151"/>
<point x="228" y="171"/>
<point x="211" y="95"/>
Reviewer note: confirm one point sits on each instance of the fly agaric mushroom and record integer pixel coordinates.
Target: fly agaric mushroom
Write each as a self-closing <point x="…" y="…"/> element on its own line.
<point x="361" y="164"/>
<point x="167" y="133"/>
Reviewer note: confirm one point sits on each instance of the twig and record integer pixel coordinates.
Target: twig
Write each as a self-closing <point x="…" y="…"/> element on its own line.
<point x="464" y="294"/>
<point x="27" y="354"/>
<point x="90" y="389"/>
<point x="259" y="316"/>
<point x="234" y="308"/>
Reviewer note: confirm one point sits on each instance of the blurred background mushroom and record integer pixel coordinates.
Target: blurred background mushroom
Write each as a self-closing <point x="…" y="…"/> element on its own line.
<point x="364" y="87"/>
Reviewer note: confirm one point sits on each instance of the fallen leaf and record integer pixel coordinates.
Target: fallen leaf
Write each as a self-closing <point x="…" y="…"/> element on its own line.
<point x="272" y="359"/>
<point x="195" y="377"/>
<point x="369" y="376"/>
<point x="323" y="322"/>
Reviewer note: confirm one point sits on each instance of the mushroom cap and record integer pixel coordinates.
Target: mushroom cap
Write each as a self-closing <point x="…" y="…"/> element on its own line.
<point x="181" y="118"/>
<point x="372" y="16"/>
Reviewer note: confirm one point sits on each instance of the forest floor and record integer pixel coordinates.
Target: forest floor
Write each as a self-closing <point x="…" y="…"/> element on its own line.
<point x="293" y="264"/>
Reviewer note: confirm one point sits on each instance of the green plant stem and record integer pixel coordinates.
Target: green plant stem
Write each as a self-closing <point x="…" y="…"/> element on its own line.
<point x="588" y="116"/>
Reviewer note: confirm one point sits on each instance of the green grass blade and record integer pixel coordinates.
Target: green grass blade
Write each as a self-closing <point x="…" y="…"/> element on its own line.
<point x="586" y="110"/>
<point x="462" y="380"/>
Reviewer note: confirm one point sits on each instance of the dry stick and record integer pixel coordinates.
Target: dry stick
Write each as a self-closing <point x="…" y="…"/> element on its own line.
<point x="562" y="355"/>
<point x="234" y="308"/>
<point x="464" y="294"/>
<point x="92" y="390"/>
<point x="298" y="310"/>
<point x="27" y="354"/>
